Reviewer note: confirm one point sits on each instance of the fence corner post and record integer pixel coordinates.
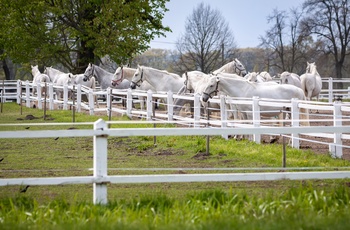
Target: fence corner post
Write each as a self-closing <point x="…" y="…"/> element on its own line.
<point x="100" y="163"/>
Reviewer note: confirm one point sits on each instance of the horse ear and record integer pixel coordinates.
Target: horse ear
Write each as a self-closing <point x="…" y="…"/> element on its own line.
<point x="121" y="67"/>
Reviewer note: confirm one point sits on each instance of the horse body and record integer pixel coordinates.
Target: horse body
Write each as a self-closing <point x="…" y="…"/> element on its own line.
<point x="243" y="88"/>
<point x="38" y="78"/>
<point x="311" y="82"/>
<point x="290" y="78"/>
<point x="234" y="66"/>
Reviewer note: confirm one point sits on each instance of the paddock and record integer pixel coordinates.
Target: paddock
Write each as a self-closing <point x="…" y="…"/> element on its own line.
<point x="337" y="133"/>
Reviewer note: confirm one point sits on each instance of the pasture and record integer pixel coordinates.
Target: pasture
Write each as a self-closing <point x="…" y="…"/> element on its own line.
<point x="243" y="205"/>
<point x="210" y="205"/>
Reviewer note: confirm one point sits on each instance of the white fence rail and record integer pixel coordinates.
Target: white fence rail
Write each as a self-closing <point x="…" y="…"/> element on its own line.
<point x="337" y="111"/>
<point x="100" y="177"/>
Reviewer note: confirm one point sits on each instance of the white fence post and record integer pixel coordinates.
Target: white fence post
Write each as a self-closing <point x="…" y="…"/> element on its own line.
<point x="170" y="105"/>
<point x="27" y="94"/>
<point x="256" y="118"/>
<point x="100" y="163"/>
<point x="65" y="97"/>
<point x="197" y="110"/>
<point x="79" y="97"/>
<point x="19" y="91"/>
<point x="39" y="90"/>
<point x="223" y="114"/>
<point x="330" y="90"/>
<point x="336" y="149"/>
<point x="109" y="100"/>
<point x="149" y="105"/>
<point x="129" y="103"/>
<point x="295" y="116"/>
<point x="51" y="97"/>
<point x="91" y="102"/>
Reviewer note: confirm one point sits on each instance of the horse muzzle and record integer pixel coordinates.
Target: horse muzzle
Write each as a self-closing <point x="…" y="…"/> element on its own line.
<point x="86" y="78"/>
<point x="205" y="97"/>
<point x="133" y="85"/>
<point x="114" y="83"/>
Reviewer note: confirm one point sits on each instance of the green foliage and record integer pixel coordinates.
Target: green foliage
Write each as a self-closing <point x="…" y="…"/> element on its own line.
<point x="74" y="32"/>
<point x="299" y="208"/>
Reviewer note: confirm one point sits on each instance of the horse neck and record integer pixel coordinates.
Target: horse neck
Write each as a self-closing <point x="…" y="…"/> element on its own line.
<point x="153" y="78"/>
<point x="234" y="87"/>
<point x="195" y="80"/>
<point x="99" y="72"/>
<point x="35" y="72"/>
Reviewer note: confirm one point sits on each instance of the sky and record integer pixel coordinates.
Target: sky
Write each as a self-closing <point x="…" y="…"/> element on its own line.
<point x="247" y="19"/>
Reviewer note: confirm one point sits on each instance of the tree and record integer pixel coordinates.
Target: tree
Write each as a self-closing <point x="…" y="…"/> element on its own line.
<point x="207" y="43"/>
<point x="285" y="44"/>
<point x="76" y="32"/>
<point x="329" y="20"/>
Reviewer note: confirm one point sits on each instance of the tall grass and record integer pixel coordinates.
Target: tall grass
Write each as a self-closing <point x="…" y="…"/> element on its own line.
<point x="299" y="208"/>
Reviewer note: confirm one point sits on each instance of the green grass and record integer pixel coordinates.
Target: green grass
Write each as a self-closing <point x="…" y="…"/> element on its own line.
<point x="317" y="204"/>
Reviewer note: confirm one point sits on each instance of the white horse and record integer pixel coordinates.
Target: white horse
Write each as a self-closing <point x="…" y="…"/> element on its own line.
<point x="123" y="72"/>
<point x="242" y="88"/>
<point x="195" y="82"/>
<point x="311" y="82"/>
<point x="58" y="78"/>
<point x="290" y="78"/>
<point x="234" y="66"/>
<point x="39" y="78"/>
<point x="160" y="80"/>
<point x="103" y="77"/>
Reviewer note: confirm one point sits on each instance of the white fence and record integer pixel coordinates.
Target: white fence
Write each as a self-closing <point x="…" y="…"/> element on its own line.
<point x="337" y="111"/>
<point x="100" y="177"/>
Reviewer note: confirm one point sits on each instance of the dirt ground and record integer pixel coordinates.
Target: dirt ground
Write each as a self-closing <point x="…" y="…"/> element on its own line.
<point x="313" y="143"/>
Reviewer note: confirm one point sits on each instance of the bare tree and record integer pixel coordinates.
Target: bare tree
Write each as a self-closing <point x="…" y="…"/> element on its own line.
<point x="207" y="43"/>
<point x="285" y="44"/>
<point x="329" y="20"/>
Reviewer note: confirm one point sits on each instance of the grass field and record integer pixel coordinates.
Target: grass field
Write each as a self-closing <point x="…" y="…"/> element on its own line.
<point x="314" y="204"/>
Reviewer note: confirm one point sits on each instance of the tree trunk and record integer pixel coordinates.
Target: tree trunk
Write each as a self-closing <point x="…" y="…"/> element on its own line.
<point x="9" y="73"/>
<point x="339" y="76"/>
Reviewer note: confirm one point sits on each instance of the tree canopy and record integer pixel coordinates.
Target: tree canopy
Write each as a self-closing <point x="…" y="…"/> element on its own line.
<point x="76" y="32"/>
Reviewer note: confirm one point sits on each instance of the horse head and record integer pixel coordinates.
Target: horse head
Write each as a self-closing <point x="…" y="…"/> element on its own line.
<point x="137" y="78"/>
<point x="89" y="72"/>
<point x="211" y="89"/>
<point x="118" y="76"/>
<point x="239" y="68"/>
